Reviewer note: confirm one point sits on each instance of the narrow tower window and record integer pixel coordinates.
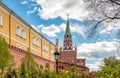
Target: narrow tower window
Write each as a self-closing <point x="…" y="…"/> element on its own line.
<point x="67" y="36"/>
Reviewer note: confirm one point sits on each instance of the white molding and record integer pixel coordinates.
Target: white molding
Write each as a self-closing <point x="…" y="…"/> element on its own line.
<point x="1" y="21"/>
<point x="4" y="10"/>
<point x="4" y="34"/>
<point x="19" y="41"/>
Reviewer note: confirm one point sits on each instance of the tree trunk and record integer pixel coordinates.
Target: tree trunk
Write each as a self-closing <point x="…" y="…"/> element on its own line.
<point x="2" y="73"/>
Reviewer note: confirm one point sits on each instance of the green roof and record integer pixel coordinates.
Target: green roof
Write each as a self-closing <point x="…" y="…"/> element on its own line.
<point x="67" y="27"/>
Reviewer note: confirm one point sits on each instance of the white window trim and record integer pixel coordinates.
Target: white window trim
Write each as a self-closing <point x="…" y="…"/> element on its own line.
<point x="52" y="51"/>
<point x="0" y="20"/>
<point x="18" y="31"/>
<point x="23" y="34"/>
<point x="45" y="47"/>
<point x="35" y="41"/>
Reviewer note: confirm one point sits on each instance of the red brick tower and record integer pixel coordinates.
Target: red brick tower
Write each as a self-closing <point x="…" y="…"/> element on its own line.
<point x="67" y="37"/>
<point x="68" y="53"/>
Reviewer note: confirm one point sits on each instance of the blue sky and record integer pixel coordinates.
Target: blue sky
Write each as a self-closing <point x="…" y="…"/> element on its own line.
<point x="49" y="18"/>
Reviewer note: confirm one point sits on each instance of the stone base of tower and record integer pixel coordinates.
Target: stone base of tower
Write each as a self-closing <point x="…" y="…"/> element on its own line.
<point x="70" y="56"/>
<point x="19" y="54"/>
<point x="68" y="66"/>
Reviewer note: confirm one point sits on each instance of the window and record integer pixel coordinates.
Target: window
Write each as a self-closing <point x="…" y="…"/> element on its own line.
<point x="35" y="41"/>
<point x="18" y="30"/>
<point x="0" y="20"/>
<point x="23" y="34"/>
<point x="52" y="51"/>
<point x="67" y="36"/>
<point x="45" y="47"/>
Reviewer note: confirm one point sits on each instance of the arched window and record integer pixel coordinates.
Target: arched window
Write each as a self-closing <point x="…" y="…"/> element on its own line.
<point x="18" y="30"/>
<point x="23" y="34"/>
<point x="0" y="20"/>
<point x="45" y="47"/>
<point x="34" y="40"/>
<point x="52" y="51"/>
<point x="37" y="42"/>
<point x="67" y="35"/>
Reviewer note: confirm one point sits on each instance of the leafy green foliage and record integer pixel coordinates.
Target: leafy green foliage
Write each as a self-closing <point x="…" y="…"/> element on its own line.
<point x="28" y="67"/>
<point x="110" y="68"/>
<point x="6" y="58"/>
<point x="11" y="73"/>
<point x="47" y="67"/>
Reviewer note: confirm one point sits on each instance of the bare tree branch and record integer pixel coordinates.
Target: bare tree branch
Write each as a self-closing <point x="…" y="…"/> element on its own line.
<point x="104" y="12"/>
<point x="115" y="1"/>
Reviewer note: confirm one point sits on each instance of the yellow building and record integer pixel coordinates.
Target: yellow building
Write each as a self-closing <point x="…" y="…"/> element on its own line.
<point x="19" y="33"/>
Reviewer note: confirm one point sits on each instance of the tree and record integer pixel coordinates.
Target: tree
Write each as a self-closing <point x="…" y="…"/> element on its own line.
<point x="103" y="15"/>
<point x="28" y="67"/>
<point x="110" y="68"/>
<point x="11" y="73"/>
<point x="6" y="58"/>
<point x="47" y="66"/>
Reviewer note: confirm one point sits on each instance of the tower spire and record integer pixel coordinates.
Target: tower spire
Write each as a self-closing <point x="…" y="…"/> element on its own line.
<point x="67" y="26"/>
<point x="67" y="36"/>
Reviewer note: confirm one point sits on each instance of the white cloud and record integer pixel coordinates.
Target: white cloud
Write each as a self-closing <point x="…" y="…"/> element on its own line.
<point x="79" y="29"/>
<point x="32" y="11"/>
<point x="96" y="52"/>
<point x="109" y="27"/>
<point x="54" y="8"/>
<point x="24" y="2"/>
<point x="98" y="49"/>
<point x="93" y="66"/>
<point x="75" y="28"/>
<point x="63" y="27"/>
<point x="51" y="30"/>
<point x="74" y="36"/>
<point x="40" y="26"/>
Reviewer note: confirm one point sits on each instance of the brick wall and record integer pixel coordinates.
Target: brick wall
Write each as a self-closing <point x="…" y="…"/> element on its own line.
<point x="65" y="65"/>
<point x="68" y="56"/>
<point x="19" y="54"/>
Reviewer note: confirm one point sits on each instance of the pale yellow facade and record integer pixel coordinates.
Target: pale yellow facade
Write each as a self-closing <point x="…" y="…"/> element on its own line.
<point x="20" y="34"/>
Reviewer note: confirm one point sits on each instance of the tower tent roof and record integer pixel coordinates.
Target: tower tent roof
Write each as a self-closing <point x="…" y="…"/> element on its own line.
<point x="67" y="26"/>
